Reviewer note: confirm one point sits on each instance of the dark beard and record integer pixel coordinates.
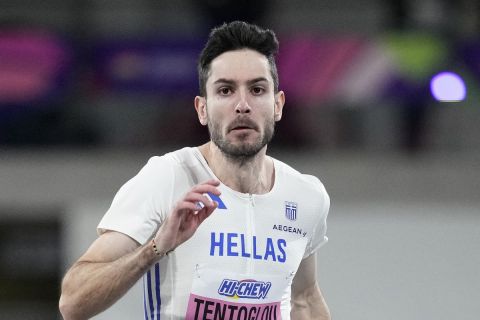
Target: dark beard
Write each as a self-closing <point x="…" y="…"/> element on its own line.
<point x="244" y="152"/>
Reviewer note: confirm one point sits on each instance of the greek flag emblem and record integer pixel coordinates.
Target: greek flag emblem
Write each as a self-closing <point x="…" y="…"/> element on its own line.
<point x="291" y="210"/>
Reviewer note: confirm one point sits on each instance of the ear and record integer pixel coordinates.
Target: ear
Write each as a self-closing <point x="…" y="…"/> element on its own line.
<point x="279" y="102"/>
<point x="201" y="108"/>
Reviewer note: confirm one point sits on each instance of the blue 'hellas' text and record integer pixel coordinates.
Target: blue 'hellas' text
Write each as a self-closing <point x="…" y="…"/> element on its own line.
<point x="235" y="245"/>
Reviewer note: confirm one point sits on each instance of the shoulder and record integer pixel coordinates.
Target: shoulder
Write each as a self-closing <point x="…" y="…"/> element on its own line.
<point x="308" y="185"/>
<point x="297" y="178"/>
<point x="163" y="168"/>
<point x="177" y="158"/>
<point x="183" y="167"/>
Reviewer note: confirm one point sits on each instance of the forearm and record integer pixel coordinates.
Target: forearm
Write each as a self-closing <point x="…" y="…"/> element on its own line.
<point x="309" y="304"/>
<point x="91" y="287"/>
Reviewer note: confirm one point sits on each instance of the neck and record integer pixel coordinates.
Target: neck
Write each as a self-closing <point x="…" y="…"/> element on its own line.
<point x="247" y="175"/>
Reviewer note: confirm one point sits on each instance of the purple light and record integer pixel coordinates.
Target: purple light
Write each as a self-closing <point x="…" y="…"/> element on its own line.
<point x="448" y="87"/>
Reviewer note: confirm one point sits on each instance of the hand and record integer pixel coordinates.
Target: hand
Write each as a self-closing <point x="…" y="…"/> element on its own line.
<point x="187" y="215"/>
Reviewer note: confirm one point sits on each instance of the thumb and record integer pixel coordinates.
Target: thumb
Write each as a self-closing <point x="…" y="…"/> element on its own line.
<point x="206" y="212"/>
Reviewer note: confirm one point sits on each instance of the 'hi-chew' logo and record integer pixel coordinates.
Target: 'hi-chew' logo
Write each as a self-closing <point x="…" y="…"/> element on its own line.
<point x="250" y="289"/>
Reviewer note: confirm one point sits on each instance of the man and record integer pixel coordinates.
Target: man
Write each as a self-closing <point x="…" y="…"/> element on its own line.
<point x="221" y="231"/>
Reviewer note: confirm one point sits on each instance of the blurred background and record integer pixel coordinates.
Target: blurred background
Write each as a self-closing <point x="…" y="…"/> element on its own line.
<point x="382" y="105"/>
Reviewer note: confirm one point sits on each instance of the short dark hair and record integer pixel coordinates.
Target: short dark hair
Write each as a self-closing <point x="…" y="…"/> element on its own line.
<point x="234" y="36"/>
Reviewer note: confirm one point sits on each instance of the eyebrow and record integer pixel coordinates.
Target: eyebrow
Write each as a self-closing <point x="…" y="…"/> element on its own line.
<point x="231" y="82"/>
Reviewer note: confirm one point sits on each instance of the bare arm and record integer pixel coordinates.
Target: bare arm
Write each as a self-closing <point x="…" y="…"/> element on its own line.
<point x="307" y="299"/>
<point x="111" y="266"/>
<point x="114" y="262"/>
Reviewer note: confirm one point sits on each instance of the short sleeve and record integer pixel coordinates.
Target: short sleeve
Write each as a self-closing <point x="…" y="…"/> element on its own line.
<point x="319" y="235"/>
<point x="141" y="204"/>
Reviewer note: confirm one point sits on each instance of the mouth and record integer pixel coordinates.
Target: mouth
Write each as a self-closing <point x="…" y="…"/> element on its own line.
<point x="242" y="125"/>
<point x="241" y="128"/>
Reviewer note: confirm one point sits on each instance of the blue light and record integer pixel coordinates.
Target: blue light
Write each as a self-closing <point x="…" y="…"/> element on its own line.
<point x="448" y="87"/>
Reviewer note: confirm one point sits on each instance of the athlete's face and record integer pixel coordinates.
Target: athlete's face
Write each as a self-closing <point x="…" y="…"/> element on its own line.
<point x="241" y="106"/>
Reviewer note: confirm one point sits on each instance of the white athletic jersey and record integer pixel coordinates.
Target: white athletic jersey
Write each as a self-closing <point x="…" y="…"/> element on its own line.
<point x="241" y="261"/>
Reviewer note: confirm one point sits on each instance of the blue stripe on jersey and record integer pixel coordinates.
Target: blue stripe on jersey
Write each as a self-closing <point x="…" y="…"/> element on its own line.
<point x="150" y="297"/>
<point x="221" y="205"/>
<point x="157" y="289"/>
<point x="145" y="300"/>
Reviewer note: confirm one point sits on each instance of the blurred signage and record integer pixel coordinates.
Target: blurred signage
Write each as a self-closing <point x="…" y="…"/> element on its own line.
<point x="33" y="66"/>
<point x="158" y="65"/>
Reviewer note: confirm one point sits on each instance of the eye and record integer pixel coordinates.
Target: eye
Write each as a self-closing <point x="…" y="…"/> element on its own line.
<point x="225" y="91"/>
<point x="258" y="90"/>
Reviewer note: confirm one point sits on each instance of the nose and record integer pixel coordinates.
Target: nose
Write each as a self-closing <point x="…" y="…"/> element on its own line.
<point x="243" y="106"/>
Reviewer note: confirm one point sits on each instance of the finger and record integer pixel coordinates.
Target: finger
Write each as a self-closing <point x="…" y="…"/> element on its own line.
<point x="194" y="202"/>
<point x="213" y="182"/>
<point x="205" y="188"/>
<point x="186" y="206"/>
<point x="210" y="210"/>
<point x="206" y="212"/>
<point x="199" y="199"/>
